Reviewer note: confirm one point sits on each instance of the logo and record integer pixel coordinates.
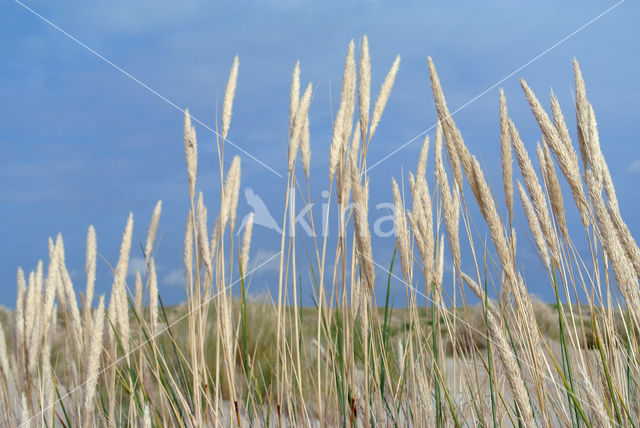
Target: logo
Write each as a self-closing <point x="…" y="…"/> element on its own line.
<point x="383" y="226"/>
<point x="261" y="214"/>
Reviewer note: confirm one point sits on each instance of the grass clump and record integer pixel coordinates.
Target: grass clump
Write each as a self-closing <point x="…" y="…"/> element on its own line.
<point x="225" y="358"/>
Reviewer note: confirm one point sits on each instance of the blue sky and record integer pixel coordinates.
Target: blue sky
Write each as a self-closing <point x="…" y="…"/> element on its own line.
<point x="83" y="144"/>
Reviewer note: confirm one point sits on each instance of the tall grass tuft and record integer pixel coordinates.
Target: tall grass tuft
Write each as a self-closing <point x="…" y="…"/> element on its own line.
<point x="494" y="357"/>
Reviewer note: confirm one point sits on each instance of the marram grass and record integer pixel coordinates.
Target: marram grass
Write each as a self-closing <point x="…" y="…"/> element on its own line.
<point x="220" y="360"/>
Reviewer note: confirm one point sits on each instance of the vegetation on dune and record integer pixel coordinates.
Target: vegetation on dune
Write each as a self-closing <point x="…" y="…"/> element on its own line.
<point x="75" y="359"/>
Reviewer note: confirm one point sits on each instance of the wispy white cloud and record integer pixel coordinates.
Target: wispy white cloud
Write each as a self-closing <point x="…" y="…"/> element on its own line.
<point x="75" y="275"/>
<point x="634" y="167"/>
<point x="262" y="265"/>
<point x="136" y="263"/>
<point x="174" y="278"/>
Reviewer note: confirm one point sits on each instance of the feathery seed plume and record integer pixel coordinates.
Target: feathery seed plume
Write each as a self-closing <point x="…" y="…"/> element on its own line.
<point x="566" y="155"/>
<point x="302" y="114"/>
<point x="90" y="269"/>
<point x="93" y="360"/>
<point x="188" y="244"/>
<point x="20" y="300"/>
<point x="553" y="187"/>
<point x="230" y="194"/>
<point x="593" y="401"/>
<point x="190" y="152"/>
<point x="535" y="190"/>
<point x="505" y="150"/>
<point x="153" y="230"/>
<point x="343" y="188"/>
<point x="294" y="97"/>
<point x="490" y="214"/>
<point x="70" y="295"/>
<point x="246" y="243"/>
<point x="364" y="87"/>
<point x="421" y="218"/>
<point x="448" y="126"/>
<point x="623" y="270"/>
<point x="342" y="125"/>
<point x="229" y="95"/>
<point x="153" y="297"/>
<point x="119" y="293"/>
<point x="534" y="226"/>
<point x="383" y="96"/>
<point x="305" y="147"/>
<point x="582" y="115"/>
<point x="202" y="239"/>
<point x="233" y="200"/>
<point x="559" y="122"/>
<point x="138" y="294"/>
<point x="4" y="358"/>
<point x="402" y="233"/>
<point x="624" y="235"/>
<point x="450" y="203"/>
<point x="440" y="262"/>
<point x="421" y="167"/>
<point x="361" y="226"/>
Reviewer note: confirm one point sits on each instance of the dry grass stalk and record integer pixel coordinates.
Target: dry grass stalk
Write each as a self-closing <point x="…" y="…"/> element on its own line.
<point x="33" y="314"/>
<point x="301" y="117"/>
<point x="594" y="402"/>
<point x="202" y="239"/>
<point x="505" y="151"/>
<point x="246" y="243"/>
<point x="588" y="139"/>
<point x="305" y="147"/>
<point x="229" y="95"/>
<point x="402" y="234"/>
<point x="361" y="226"/>
<point x="535" y="191"/>
<point x="43" y="321"/>
<point x="456" y="148"/>
<point x="188" y="248"/>
<point x="420" y="217"/>
<point x="138" y="295"/>
<point x="450" y="202"/>
<point x="565" y="154"/>
<point x="624" y="235"/>
<point x="60" y="293"/>
<point x="146" y="417"/>
<point x="90" y="270"/>
<point x="93" y="361"/>
<point x="534" y="226"/>
<point x="624" y="273"/>
<point x="383" y="97"/>
<point x="559" y="122"/>
<point x="364" y="87"/>
<point x="490" y="214"/>
<point x="119" y="291"/>
<point x="153" y="297"/>
<point x="190" y="153"/>
<point x="294" y="96"/>
<point x="344" y="120"/>
<point x="440" y="263"/>
<point x="153" y="230"/>
<point x="505" y="354"/>
<point x="230" y="195"/>
<point x="553" y="187"/>
<point x="4" y="356"/>
<point x="343" y="179"/>
<point x="20" y="306"/>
